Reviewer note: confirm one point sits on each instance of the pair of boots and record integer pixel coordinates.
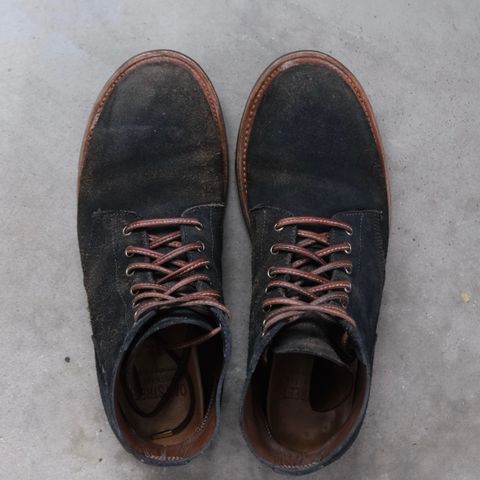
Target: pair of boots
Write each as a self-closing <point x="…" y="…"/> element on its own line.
<point x="313" y="188"/>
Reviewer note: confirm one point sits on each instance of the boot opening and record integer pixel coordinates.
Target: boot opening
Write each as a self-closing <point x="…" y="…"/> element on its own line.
<point x="165" y="391"/>
<point x="308" y="400"/>
<point x="298" y="408"/>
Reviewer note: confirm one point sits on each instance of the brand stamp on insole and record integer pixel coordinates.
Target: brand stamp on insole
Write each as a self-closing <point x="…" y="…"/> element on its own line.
<point x="296" y="387"/>
<point x="158" y="390"/>
<point x="154" y="384"/>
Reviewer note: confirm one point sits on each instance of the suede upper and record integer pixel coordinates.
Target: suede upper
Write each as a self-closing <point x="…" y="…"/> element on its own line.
<point x="308" y="146"/>
<point x="311" y="149"/>
<point x="154" y="148"/>
<point x="155" y="135"/>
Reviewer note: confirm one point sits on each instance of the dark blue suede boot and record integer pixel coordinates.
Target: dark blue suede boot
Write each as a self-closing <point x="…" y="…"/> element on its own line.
<point x="152" y="184"/>
<point x="313" y="186"/>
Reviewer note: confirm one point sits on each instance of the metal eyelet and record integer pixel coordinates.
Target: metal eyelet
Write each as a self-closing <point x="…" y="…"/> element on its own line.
<point x="201" y="247"/>
<point x="272" y="251"/>
<point x="277" y="228"/>
<point x="348" y="270"/>
<point x="344" y="304"/>
<point x="348" y="289"/>
<point x="132" y="292"/>
<point x="199" y="227"/>
<point x="265" y="309"/>
<point x="125" y="231"/>
<point x="127" y="253"/>
<point x="207" y="267"/>
<point x="348" y="250"/>
<point x="266" y="290"/>
<point x="128" y="272"/>
<point x="349" y="232"/>
<point x="269" y="273"/>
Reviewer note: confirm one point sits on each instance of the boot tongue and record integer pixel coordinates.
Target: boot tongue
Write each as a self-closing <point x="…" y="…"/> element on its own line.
<point x="176" y="317"/>
<point x="313" y="337"/>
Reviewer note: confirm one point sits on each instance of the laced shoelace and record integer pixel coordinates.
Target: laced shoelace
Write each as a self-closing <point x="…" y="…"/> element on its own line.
<point x="175" y="276"/>
<point x="308" y="285"/>
<point x="174" y="286"/>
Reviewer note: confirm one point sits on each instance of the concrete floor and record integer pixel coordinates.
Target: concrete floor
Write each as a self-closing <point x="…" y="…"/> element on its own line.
<point x="420" y="64"/>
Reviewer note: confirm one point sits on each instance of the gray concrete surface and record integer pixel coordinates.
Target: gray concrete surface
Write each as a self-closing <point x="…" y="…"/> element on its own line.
<point x="420" y="64"/>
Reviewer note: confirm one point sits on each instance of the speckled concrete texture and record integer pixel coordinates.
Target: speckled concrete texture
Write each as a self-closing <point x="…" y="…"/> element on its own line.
<point x="419" y="62"/>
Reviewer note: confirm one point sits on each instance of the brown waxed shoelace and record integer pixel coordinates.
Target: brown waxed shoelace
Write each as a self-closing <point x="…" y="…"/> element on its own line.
<point x="175" y="275"/>
<point x="174" y="286"/>
<point x="309" y="275"/>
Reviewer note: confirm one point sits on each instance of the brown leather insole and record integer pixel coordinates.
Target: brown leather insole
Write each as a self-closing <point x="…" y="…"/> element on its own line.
<point x="150" y="372"/>
<point x="309" y="399"/>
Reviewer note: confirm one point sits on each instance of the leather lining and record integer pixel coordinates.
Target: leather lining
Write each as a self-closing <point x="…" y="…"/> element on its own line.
<point x="308" y="400"/>
<point x="204" y="368"/>
<point x="276" y="454"/>
<point x="152" y="386"/>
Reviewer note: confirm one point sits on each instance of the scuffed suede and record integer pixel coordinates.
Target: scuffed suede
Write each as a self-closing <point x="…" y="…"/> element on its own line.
<point x="155" y="147"/>
<point x="308" y="146"/>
